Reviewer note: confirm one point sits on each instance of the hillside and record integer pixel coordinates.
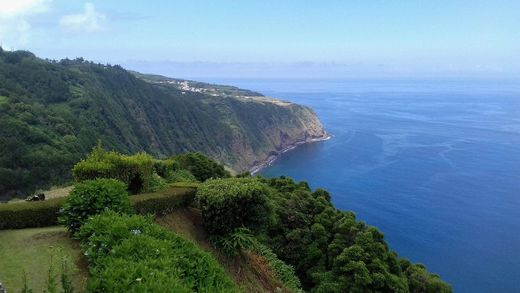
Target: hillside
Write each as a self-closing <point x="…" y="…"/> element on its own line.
<point x="212" y="233"/>
<point x="53" y="112"/>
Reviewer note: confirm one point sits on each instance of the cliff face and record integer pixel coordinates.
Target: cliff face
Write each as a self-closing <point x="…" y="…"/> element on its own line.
<point x="291" y="125"/>
<point x="53" y="113"/>
<point x="260" y="127"/>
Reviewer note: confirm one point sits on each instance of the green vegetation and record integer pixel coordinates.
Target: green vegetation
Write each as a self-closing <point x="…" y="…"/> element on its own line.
<point x="129" y="253"/>
<point x="329" y="249"/>
<point x="234" y="242"/>
<point x="283" y="272"/>
<point x="201" y="166"/>
<point x="162" y="202"/>
<point x="135" y="171"/>
<point x="250" y="271"/>
<point x="30" y="214"/>
<point x="228" y="204"/>
<point x="53" y="113"/>
<point x="92" y="197"/>
<point x="45" y="213"/>
<point x="31" y="251"/>
<point x="269" y="234"/>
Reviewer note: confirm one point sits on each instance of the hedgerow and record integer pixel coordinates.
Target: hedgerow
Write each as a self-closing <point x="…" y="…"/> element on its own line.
<point x="135" y="171"/>
<point x="45" y="213"/>
<point x="162" y="202"/>
<point x="129" y="253"/>
<point x="30" y="214"/>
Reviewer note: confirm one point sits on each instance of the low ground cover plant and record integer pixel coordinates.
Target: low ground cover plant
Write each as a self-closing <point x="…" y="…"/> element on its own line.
<point x="130" y="253"/>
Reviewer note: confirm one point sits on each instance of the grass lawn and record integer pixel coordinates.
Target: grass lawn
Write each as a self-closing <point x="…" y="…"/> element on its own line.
<point x="31" y="250"/>
<point x="58" y="192"/>
<point x="54" y="192"/>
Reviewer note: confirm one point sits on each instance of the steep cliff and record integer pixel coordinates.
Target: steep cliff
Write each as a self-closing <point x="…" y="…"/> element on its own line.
<point x="53" y="112"/>
<point x="261" y="127"/>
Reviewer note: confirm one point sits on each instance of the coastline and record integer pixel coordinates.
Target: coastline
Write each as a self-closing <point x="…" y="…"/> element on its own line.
<point x="276" y="154"/>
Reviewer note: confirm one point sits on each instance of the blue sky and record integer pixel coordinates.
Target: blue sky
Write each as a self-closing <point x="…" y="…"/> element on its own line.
<point x="361" y="37"/>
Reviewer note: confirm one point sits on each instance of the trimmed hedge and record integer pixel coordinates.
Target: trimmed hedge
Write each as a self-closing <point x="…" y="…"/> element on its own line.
<point x="231" y="203"/>
<point x="162" y="202"/>
<point x="45" y="213"/>
<point x="135" y="171"/>
<point x="30" y="214"/>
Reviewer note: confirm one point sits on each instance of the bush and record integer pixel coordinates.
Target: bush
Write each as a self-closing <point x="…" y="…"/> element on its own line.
<point x="129" y="253"/>
<point x="228" y="204"/>
<point x="420" y="280"/>
<point x="30" y="214"/>
<point x="120" y="275"/>
<point x="157" y="183"/>
<point x="282" y="271"/>
<point x="92" y="197"/>
<point x="181" y="176"/>
<point x="236" y="241"/>
<point x="135" y="171"/>
<point x="201" y="167"/>
<point x="162" y="202"/>
<point x="165" y="168"/>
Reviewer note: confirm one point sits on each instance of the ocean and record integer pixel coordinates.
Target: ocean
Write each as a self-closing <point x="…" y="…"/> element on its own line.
<point x="434" y="164"/>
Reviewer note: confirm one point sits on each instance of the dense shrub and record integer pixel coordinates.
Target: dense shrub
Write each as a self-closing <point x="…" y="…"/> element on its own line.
<point x="129" y="253"/>
<point x="420" y="280"/>
<point x="282" y="271"/>
<point x="227" y="204"/>
<point x="162" y="202"/>
<point x="135" y="171"/>
<point x="165" y="168"/>
<point x="156" y="183"/>
<point x="92" y="197"/>
<point x="30" y="214"/>
<point x="201" y="167"/>
<point x="121" y="275"/>
<point x="333" y="252"/>
<point x="181" y="176"/>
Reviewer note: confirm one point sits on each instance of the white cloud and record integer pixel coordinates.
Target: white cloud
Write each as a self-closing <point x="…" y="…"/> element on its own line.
<point x="15" y="28"/>
<point x="89" y="20"/>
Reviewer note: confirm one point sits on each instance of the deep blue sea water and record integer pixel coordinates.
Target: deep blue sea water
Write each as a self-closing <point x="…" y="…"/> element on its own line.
<point x="434" y="164"/>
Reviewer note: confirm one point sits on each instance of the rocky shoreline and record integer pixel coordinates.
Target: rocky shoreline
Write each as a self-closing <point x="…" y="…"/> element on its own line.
<point x="276" y="154"/>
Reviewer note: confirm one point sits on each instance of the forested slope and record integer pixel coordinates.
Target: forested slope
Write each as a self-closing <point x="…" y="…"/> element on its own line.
<point x="53" y="112"/>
